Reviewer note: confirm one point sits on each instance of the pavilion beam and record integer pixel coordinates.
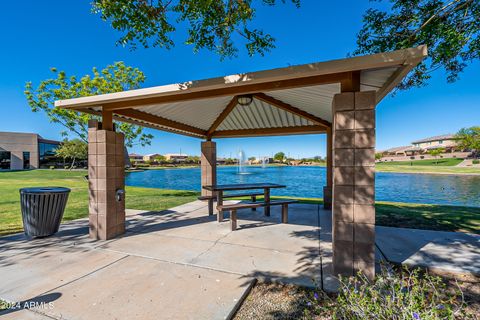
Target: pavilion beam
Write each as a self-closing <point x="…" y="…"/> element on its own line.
<point x="289" y="108"/>
<point x="142" y="124"/>
<point x="351" y="83"/>
<point x="107" y="120"/>
<point x="139" y="115"/>
<point x="269" y="132"/>
<point x="228" y="109"/>
<point x="231" y="91"/>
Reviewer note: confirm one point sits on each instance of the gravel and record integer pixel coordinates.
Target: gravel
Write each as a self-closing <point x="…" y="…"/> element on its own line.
<point x="277" y="301"/>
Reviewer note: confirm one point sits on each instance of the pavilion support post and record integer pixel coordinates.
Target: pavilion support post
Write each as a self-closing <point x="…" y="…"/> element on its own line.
<point x="327" y="190"/>
<point x="354" y="183"/>
<point x="208" y="165"/>
<point x="106" y="181"/>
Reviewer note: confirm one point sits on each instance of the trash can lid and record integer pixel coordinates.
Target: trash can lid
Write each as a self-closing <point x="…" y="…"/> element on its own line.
<point x="45" y="190"/>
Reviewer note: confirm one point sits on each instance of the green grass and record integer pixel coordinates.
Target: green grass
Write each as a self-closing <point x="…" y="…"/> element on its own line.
<point x="419" y="216"/>
<point x="444" y="166"/>
<point x="430" y="162"/>
<point x="426" y="169"/>
<point x="77" y="206"/>
<point x="406" y="215"/>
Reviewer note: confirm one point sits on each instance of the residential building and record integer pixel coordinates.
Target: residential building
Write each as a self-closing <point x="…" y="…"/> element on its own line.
<point x="176" y="157"/>
<point x="446" y="141"/>
<point x="20" y="151"/>
<point x="420" y="149"/>
<point x="135" y="158"/>
<point x="151" y="156"/>
<point x="397" y="151"/>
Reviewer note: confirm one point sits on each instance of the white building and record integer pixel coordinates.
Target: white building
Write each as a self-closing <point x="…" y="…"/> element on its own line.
<point x="176" y="157"/>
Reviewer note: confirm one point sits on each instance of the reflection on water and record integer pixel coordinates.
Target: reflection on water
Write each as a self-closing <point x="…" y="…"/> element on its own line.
<point x="309" y="181"/>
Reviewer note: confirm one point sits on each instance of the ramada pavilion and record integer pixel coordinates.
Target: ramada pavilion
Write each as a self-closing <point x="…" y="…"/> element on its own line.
<point x="336" y="97"/>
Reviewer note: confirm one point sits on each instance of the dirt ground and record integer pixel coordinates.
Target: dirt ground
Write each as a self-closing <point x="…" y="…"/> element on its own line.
<point x="277" y="301"/>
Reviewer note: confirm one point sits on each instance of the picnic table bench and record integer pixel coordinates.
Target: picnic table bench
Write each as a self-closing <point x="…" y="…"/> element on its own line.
<point x="266" y="203"/>
<point x="247" y="205"/>
<point x="253" y="196"/>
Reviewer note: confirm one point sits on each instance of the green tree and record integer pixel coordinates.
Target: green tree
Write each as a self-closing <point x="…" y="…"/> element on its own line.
<point x="193" y="159"/>
<point x="74" y="150"/>
<point x="450" y="29"/>
<point x="251" y="158"/>
<point x="469" y="139"/>
<point x="160" y="159"/>
<point x="279" y="156"/>
<point x="218" y="26"/>
<point x="378" y="155"/>
<point x="114" y="78"/>
<point x="435" y="153"/>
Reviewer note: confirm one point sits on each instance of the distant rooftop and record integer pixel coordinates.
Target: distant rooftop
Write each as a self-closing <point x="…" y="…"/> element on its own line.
<point x="396" y="149"/>
<point x="176" y="155"/>
<point x="436" y="138"/>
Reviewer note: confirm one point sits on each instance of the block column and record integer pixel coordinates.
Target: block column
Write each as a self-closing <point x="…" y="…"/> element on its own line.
<point x="354" y="183"/>
<point x="327" y="190"/>
<point x="106" y="180"/>
<point x="208" y="165"/>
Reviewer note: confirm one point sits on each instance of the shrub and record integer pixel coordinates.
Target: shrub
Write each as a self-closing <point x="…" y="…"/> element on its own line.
<point x="407" y="294"/>
<point x="476" y="161"/>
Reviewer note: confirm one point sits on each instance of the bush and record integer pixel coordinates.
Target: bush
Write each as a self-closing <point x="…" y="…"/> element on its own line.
<point x="407" y="294"/>
<point x="476" y="161"/>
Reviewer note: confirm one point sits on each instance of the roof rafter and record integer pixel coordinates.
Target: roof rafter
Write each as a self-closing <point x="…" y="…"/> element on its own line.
<point x="141" y="123"/>
<point x="289" y="108"/>
<point x="269" y="132"/>
<point x="139" y="115"/>
<point x="228" y="109"/>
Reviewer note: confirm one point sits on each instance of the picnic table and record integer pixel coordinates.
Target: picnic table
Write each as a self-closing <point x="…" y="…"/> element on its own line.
<point x="219" y="189"/>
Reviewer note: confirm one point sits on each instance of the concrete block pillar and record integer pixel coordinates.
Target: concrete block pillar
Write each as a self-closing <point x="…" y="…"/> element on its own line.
<point x="106" y="179"/>
<point x="354" y="183"/>
<point x="208" y="165"/>
<point x="327" y="190"/>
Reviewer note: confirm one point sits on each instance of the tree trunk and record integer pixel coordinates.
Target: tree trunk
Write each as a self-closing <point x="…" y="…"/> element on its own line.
<point x="73" y="163"/>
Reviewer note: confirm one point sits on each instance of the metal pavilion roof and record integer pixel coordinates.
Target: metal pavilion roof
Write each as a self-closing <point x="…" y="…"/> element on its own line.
<point x="292" y="100"/>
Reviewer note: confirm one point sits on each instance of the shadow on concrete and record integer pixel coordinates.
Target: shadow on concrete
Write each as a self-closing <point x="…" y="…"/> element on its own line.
<point x="39" y="302"/>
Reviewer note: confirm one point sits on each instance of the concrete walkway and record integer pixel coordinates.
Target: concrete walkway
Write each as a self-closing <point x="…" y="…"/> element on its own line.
<point x="182" y="264"/>
<point x="175" y="264"/>
<point x="440" y="251"/>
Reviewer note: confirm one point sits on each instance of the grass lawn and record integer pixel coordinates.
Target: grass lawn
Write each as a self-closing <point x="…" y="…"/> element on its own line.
<point x="77" y="206"/>
<point x="421" y="216"/>
<point x="444" y="166"/>
<point x="430" y="162"/>
<point x="407" y="215"/>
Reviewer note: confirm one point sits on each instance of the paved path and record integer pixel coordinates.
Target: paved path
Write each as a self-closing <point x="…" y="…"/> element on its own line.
<point x="181" y="263"/>
<point x="452" y="252"/>
<point x="175" y="264"/>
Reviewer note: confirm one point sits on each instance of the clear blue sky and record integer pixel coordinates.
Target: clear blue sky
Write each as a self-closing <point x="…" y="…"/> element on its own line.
<point x="37" y="35"/>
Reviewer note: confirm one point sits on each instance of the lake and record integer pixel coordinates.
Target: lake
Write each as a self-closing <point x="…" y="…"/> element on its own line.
<point x="308" y="182"/>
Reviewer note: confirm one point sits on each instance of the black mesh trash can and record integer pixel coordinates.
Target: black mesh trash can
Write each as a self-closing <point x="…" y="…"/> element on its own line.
<point x="42" y="209"/>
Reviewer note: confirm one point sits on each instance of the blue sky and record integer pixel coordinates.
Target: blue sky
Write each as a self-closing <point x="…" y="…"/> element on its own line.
<point x="38" y="35"/>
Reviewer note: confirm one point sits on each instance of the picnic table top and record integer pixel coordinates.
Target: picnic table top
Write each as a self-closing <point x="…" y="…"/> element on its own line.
<point x="242" y="186"/>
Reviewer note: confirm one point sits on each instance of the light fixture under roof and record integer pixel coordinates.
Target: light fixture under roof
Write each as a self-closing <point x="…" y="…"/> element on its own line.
<point x="245" y="100"/>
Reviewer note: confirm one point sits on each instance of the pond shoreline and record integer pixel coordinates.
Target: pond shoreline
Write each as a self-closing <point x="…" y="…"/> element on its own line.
<point x="322" y="166"/>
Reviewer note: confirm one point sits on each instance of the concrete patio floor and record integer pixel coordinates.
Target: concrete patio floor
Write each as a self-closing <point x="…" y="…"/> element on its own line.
<point x="181" y="263"/>
<point x="178" y="263"/>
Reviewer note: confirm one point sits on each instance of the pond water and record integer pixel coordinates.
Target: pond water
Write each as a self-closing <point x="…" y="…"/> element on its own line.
<point x="309" y="181"/>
